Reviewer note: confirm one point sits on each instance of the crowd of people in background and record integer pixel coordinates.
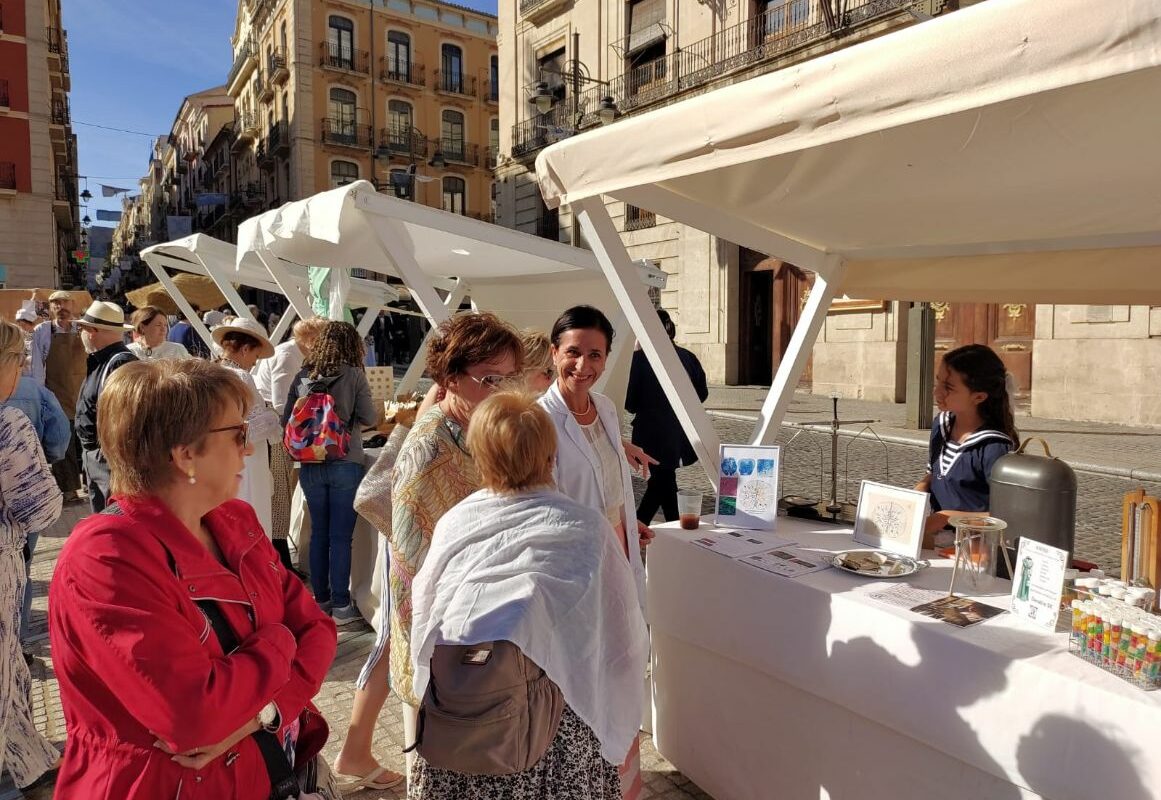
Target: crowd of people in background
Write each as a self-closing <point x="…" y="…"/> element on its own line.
<point x="180" y="623"/>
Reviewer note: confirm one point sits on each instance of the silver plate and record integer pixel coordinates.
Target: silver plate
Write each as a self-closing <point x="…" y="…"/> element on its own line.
<point x="891" y="565"/>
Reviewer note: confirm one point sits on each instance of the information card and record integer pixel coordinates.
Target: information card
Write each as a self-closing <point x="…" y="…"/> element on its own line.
<point x="1038" y="583"/>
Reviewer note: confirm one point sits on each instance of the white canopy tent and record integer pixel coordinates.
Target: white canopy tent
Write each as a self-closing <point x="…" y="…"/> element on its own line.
<point x="218" y="260"/>
<point x="1007" y="152"/>
<point x="526" y="279"/>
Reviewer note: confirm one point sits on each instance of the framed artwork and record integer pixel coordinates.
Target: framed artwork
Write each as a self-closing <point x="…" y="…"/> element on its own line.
<point x="891" y="518"/>
<point x="850" y="305"/>
<point x="748" y="486"/>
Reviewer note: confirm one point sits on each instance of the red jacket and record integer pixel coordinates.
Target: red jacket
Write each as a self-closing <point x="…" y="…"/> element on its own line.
<point x="137" y="660"/>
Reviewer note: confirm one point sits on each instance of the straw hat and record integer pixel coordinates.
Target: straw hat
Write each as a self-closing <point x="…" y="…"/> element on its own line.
<point x="106" y="316"/>
<point x="59" y="295"/>
<point x="248" y="327"/>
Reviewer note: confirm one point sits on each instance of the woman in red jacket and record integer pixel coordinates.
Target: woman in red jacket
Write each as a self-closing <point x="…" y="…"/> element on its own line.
<point x="154" y="708"/>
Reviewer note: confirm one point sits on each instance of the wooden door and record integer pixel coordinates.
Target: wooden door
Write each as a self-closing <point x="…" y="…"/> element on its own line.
<point x="772" y="294"/>
<point x="1008" y="328"/>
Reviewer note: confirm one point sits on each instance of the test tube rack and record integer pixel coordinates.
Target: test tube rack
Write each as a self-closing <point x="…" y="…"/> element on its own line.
<point x="1141" y="540"/>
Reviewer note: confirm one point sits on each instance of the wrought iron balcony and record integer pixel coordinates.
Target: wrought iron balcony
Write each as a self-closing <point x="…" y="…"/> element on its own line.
<point x="276" y="67"/>
<point x="60" y="112"/>
<point x="345" y="133"/>
<point x="456" y="151"/>
<point x="406" y="141"/>
<point x="455" y="82"/>
<point x="278" y="139"/>
<point x="492" y="91"/>
<point x="335" y="56"/>
<point x="396" y="71"/>
<point x="245" y="58"/>
<point x="66" y="189"/>
<point x="246" y="126"/>
<point x="7" y="175"/>
<point x="55" y="40"/>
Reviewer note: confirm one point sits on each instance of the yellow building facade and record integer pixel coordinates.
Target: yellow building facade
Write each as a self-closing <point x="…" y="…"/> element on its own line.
<point x="399" y="92"/>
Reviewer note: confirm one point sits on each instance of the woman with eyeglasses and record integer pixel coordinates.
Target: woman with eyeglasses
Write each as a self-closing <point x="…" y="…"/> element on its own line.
<point x="244" y="343"/>
<point x="334" y="365"/>
<point x="471" y="356"/>
<point x="156" y="703"/>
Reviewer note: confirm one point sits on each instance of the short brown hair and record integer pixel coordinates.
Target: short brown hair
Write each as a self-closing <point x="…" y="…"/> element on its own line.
<point x="11" y="343"/>
<point x="147" y="408"/>
<point x="537" y="351"/>
<point x="512" y="442"/>
<point x="469" y="339"/>
<point x="143" y="316"/>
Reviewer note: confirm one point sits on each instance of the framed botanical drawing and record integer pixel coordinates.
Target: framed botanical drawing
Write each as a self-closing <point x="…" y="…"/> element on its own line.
<point x="891" y="518"/>
<point x="748" y="486"/>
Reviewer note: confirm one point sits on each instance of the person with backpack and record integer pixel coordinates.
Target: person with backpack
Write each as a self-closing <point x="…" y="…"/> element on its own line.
<point x="328" y="406"/>
<point x="528" y="644"/>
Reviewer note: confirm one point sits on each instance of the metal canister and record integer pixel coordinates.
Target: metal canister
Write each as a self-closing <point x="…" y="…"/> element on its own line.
<point x="1036" y="496"/>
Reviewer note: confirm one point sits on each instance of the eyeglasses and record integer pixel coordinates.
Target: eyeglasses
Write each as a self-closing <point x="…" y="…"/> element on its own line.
<point x="497" y="382"/>
<point x="241" y="437"/>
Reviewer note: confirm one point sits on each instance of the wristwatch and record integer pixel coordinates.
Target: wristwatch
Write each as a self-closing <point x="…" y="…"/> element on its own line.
<point x="269" y="718"/>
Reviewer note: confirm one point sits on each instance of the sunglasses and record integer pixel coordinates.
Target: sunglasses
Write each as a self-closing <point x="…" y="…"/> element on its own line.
<point x="242" y="435"/>
<point x="497" y="382"/>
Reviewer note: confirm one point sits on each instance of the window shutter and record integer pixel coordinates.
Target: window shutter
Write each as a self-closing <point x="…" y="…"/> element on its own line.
<point x="644" y="30"/>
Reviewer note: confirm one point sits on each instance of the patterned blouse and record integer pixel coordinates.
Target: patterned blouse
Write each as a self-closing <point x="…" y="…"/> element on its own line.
<point x="29" y="498"/>
<point x="432" y="473"/>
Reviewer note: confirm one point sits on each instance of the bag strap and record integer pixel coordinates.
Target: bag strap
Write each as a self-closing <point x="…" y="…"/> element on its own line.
<point x="283" y="783"/>
<point x="1043" y="444"/>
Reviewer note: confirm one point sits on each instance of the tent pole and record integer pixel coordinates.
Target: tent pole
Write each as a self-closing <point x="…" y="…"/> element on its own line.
<point x="415" y="369"/>
<point x="634" y="301"/>
<point x="369" y="317"/>
<point x="390" y="234"/>
<point x="826" y="284"/>
<point x="283" y="325"/>
<point x="227" y="289"/>
<point x="286" y="285"/>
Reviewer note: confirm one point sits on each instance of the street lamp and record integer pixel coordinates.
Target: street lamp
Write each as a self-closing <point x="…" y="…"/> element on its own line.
<point x="607" y="111"/>
<point x="577" y="74"/>
<point x="86" y="195"/>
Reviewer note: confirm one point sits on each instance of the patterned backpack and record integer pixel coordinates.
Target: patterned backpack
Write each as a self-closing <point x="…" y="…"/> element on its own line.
<point x="315" y="433"/>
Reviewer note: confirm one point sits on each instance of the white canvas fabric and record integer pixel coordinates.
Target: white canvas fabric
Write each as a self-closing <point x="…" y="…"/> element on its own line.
<point x="546" y="574"/>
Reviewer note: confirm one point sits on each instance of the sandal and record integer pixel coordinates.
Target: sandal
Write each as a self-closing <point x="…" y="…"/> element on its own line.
<point x="352" y="783"/>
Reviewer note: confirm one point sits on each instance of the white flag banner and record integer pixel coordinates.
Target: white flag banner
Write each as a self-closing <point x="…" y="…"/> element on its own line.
<point x="111" y="191"/>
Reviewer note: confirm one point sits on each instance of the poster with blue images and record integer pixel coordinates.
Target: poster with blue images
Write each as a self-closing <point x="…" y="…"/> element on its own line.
<point x="748" y="486"/>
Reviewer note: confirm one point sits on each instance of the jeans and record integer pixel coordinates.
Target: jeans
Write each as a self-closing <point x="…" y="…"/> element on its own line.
<point x="330" y="496"/>
<point x="660" y="492"/>
<point x="26" y="608"/>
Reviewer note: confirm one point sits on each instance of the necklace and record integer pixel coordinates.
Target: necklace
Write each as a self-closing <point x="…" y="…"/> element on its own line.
<point x="588" y="408"/>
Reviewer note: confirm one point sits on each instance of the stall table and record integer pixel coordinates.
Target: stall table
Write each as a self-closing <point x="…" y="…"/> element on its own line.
<point x="771" y="687"/>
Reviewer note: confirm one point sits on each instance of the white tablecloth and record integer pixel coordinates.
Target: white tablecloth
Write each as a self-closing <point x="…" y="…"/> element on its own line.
<point x="768" y="687"/>
<point x="368" y="550"/>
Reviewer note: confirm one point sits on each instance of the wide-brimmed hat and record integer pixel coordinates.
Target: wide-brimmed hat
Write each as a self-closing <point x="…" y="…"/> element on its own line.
<point x="59" y="295"/>
<point x="248" y="327"/>
<point x="27" y="315"/>
<point x="106" y="316"/>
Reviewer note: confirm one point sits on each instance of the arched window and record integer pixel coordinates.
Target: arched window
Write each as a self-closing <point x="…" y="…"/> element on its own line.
<point x="341" y="115"/>
<point x="454" y="195"/>
<point x="452" y="135"/>
<point x="399" y="121"/>
<point x="494" y="79"/>
<point x="451" y="76"/>
<point x="398" y="56"/>
<point x="340" y="42"/>
<point x="344" y="172"/>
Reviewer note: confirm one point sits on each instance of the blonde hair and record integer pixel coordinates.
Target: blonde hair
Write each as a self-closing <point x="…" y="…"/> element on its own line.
<point x="537" y="351"/>
<point x="11" y="343"/>
<point x="147" y="408"/>
<point x="512" y="442"/>
<point x="305" y="332"/>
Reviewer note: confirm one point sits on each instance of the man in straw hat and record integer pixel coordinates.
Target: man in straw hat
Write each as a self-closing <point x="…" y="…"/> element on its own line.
<point x="57" y="360"/>
<point x="103" y="333"/>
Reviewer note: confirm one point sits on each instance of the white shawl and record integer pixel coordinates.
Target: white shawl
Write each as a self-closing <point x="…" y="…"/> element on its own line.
<point x="545" y="573"/>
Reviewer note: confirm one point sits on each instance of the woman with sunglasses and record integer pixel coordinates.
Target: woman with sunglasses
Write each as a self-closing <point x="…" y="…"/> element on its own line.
<point x="155" y="703"/>
<point x="471" y="356"/>
<point x="334" y="365"/>
<point x="244" y="343"/>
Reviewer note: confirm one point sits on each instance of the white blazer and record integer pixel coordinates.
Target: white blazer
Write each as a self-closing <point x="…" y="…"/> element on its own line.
<point x="577" y="468"/>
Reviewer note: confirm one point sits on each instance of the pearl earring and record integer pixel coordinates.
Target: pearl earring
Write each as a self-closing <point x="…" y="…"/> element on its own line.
<point x="192" y="479"/>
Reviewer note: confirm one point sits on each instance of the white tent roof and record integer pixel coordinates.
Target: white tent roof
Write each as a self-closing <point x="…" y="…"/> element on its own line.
<point x="1006" y="152"/>
<point x="344" y="228"/>
<point x="197" y="252"/>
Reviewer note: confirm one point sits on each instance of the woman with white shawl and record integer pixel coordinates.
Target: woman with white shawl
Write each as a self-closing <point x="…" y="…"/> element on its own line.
<point x="518" y="561"/>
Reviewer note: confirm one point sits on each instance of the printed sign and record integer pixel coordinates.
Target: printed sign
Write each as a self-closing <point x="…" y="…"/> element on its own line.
<point x="1038" y="582"/>
<point x="748" y="486"/>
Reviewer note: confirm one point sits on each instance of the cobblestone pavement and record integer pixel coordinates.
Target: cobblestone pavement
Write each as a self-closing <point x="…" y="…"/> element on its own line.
<point x="1110" y="460"/>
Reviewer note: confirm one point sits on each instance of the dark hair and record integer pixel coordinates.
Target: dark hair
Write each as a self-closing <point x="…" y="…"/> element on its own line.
<point x="468" y="339"/>
<point x="667" y="323"/>
<point x="236" y="340"/>
<point x="983" y="371"/>
<point x="582" y="318"/>
<point x="338" y="344"/>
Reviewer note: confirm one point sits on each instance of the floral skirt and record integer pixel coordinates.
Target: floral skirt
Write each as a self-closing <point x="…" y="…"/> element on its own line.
<point x="572" y="769"/>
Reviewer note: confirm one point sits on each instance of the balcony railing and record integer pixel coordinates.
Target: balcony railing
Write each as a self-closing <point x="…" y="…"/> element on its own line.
<point x="278" y="139"/>
<point x="776" y="33"/>
<point x="334" y="56"/>
<point x="637" y="219"/>
<point x="246" y="126"/>
<point x="459" y="152"/>
<point x="245" y="58"/>
<point x="60" y="112"/>
<point x="276" y="67"/>
<point x="492" y="91"/>
<point x="406" y="141"/>
<point x="7" y="175"/>
<point x="4" y="99"/>
<point x="454" y="82"/>
<point x="491" y="158"/>
<point x="55" y="39"/>
<point x="345" y="133"/>
<point x="396" y="71"/>
<point x="66" y="190"/>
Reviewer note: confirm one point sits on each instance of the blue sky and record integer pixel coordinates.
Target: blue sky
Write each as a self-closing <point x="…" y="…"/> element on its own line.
<point x="132" y="62"/>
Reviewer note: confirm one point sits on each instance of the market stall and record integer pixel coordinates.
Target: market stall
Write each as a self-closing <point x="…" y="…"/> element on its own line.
<point x="1002" y="153"/>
